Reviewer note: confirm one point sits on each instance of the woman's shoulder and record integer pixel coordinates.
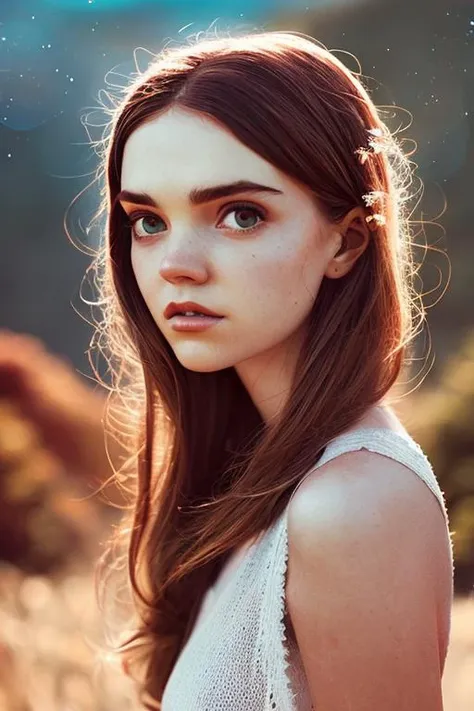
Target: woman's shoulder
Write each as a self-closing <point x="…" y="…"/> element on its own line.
<point x="373" y="471"/>
<point x="371" y="510"/>
<point x="358" y="486"/>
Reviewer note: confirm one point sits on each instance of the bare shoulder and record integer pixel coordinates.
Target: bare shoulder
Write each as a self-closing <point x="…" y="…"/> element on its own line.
<point x="361" y="489"/>
<point x="366" y="496"/>
<point x="369" y="561"/>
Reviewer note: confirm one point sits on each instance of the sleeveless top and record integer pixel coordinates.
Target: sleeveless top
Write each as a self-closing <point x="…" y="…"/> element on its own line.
<point x="238" y="655"/>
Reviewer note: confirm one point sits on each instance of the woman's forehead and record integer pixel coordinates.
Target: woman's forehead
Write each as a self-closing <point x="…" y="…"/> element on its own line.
<point x="180" y="153"/>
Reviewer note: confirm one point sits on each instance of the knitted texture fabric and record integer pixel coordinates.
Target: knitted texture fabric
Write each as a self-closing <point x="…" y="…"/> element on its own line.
<point x="238" y="655"/>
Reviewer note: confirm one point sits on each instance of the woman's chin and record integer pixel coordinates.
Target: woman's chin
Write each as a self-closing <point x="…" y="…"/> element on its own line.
<point x="201" y="362"/>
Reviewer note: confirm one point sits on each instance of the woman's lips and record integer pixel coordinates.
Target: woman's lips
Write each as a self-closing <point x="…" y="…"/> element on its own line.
<point x="193" y="323"/>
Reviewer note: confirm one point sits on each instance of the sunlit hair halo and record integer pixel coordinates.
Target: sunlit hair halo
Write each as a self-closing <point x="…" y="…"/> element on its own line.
<point x="207" y="473"/>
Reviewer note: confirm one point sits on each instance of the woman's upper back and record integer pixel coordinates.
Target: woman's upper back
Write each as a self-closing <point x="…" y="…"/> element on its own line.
<point x="241" y="653"/>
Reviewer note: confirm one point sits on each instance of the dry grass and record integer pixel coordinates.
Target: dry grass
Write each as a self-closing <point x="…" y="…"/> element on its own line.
<point x="52" y="649"/>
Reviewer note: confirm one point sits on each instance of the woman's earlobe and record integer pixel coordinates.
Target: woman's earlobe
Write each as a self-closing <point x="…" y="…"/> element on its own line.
<point x="336" y="272"/>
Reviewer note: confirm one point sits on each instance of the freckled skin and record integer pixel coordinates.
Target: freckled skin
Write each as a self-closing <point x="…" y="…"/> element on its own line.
<point x="263" y="281"/>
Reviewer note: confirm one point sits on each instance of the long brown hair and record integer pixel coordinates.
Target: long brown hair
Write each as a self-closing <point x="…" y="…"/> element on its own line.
<point x="209" y="474"/>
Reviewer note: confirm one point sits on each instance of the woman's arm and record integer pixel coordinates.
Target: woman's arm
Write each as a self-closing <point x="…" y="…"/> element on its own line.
<point x="369" y="586"/>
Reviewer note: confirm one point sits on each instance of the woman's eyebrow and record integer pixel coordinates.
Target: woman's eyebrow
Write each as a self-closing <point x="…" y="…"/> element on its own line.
<point x="198" y="196"/>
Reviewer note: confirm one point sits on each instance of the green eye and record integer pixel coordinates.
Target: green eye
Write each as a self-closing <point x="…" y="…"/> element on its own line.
<point x="145" y="226"/>
<point x="149" y="228"/>
<point x="246" y="217"/>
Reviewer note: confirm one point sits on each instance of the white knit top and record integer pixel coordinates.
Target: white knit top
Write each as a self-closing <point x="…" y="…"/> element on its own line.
<point x="238" y="655"/>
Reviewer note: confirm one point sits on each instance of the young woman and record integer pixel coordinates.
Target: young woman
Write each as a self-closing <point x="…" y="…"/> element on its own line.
<point x="290" y="545"/>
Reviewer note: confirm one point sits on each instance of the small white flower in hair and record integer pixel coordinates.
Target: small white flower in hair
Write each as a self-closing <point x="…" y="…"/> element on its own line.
<point x="373" y="197"/>
<point x="376" y="145"/>
<point x="363" y="154"/>
<point x="376" y="220"/>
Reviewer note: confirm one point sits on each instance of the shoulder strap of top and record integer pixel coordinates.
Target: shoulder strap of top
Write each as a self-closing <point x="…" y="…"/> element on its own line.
<point x="389" y="443"/>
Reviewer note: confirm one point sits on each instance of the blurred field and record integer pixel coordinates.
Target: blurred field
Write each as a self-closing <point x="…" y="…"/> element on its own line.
<point x="51" y="658"/>
<point x="52" y="654"/>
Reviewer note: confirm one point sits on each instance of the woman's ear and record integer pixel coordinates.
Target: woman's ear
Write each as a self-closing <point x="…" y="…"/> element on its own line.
<point x="355" y="234"/>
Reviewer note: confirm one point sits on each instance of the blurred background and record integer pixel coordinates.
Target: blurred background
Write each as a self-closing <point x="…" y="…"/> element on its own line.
<point x="56" y="58"/>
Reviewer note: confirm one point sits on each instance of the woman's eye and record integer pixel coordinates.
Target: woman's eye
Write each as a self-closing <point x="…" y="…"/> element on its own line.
<point x="243" y="218"/>
<point x="238" y="218"/>
<point x="145" y="226"/>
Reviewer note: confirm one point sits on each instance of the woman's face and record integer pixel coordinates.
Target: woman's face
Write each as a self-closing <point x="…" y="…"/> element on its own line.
<point x="255" y="257"/>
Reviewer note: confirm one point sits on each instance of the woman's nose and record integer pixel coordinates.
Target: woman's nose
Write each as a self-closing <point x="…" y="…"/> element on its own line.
<point x="184" y="258"/>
